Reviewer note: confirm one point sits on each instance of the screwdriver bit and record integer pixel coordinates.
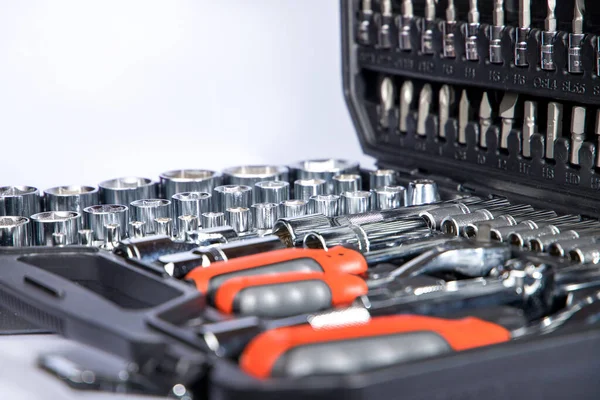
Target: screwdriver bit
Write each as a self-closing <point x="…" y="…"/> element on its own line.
<point x="364" y="27"/>
<point x="576" y="39"/>
<point x="485" y="119"/>
<point x="428" y="26"/>
<point x="448" y="27"/>
<point x="553" y="128"/>
<point x="386" y="97"/>
<point x="577" y="133"/>
<point x="406" y="99"/>
<point x="548" y="37"/>
<point x="447" y="99"/>
<point x="464" y="110"/>
<point x="471" y="51"/>
<point x="598" y="138"/>
<point x="424" y="109"/>
<point x="529" y="126"/>
<point x="384" y="33"/>
<point x="522" y="33"/>
<point x="404" y="25"/>
<point x="507" y="113"/>
<point x="496" y="31"/>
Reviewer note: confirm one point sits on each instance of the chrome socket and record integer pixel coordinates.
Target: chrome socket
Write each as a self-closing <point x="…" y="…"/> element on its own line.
<point x="56" y="228"/>
<point x="19" y="201"/>
<point x="272" y="191"/>
<point x="355" y="202"/>
<point x="112" y="236"/>
<point x="191" y="203"/>
<point x="137" y="229"/>
<point x="561" y="248"/>
<point x="325" y="169"/>
<point x="436" y="216"/>
<point x="188" y="180"/>
<point x="291" y="230"/>
<point x="522" y="36"/>
<point x="86" y="237"/>
<point x="264" y="216"/>
<point x="304" y="189"/>
<point x="589" y="254"/>
<point x="547" y="51"/>
<point x="422" y="191"/>
<point x="148" y="211"/>
<point x="239" y="219"/>
<point x="472" y="230"/>
<point x="98" y="216"/>
<point x="292" y="208"/>
<point x="501" y="234"/>
<point x="521" y="238"/>
<point x="328" y="205"/>
<point x="212" y="220"/>
<point x="388" y="197"/>
<point x="541" y="244"/>
<point x="382" y="177"/>
<point x="164" y="226"/>
<point x="231" y="196"/>
<point x="250" y="175"/>
<point x="455" y="224"/>
<point x="14" y="231"/>
<point x="186" y="226"/>
<point x="346" y="183"/>
<point x="71" y="198"/>
<point x="123" y="191"/>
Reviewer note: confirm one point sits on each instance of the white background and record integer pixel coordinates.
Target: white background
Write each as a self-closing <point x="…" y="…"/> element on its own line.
<point x="93" y="90"/>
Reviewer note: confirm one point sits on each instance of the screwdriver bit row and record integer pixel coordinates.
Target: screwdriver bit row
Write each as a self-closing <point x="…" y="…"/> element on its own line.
<point x="385" y="31"/>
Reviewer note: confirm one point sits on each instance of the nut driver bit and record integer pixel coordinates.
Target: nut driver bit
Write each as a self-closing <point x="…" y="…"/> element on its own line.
<point x="404" y="23"/>
<point x="472" y="34"/>
<point x="548" y="38"/>
<point x="448" y="46"/>
<point x="496" y="31"/>
<point x="384" y="31"/>
<point x="428" y="27"/>
<point x="522" y="33"/>
<point x="575" y="59"/>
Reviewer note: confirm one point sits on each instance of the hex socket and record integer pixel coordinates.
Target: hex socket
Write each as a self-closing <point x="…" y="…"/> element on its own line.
<point x="14" y="231"/>
<point x="100" y="215"/>
<point x="388" y="197"/>
<point x="304" y="189"/>
<point x="231" y="196"/>
<point x="19" y="201"/>
<point x="422" y="191"/>
<point x="56" y="228"/>
<point x="264" y="215"/>
<point x="292" y="208"/>
<point x="381" y="178"/>
<point x="250" y="175"/>
<point x="325" y="169"/>
<point x="239" y="219"/>
<point x="346" y="183"/>
<point x="188" y="180"/>
<point x="212" y="220"/>
<point x="126" y="190"/>
<point x="272" y="191"/>
<point x="71" y="198"/>
<point x="191" y="203"/>
<point x="328" y="205"/>
<point x="356" y="202"/>
<point x="148" y="211"/>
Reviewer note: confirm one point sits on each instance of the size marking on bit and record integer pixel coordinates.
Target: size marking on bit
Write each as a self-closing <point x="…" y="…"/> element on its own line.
<point x="595" y="183"/>
<point x="502" y="164"/>
<point x="460" y="155"/>
<point x="548" y="172"/>
<point x="572" y="178"/>
<point x="524" y="168"/>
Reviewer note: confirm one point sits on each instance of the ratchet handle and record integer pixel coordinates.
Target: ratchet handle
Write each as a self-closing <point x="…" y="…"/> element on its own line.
<point x="288" y="294"/>
<point x="335" y="260"/>
<point x="298" y="351"/>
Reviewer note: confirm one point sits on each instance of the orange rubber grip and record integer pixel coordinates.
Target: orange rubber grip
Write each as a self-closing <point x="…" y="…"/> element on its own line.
<point x="345" y="288"/>
<point x="338" y="259"/>
<point x="261" y="354"/>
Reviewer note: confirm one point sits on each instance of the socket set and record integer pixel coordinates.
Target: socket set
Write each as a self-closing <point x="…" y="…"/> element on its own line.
<point x="470" y="258"/>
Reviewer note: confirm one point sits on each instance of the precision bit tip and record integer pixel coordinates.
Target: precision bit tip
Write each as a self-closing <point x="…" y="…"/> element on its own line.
<point x="554" y="127"/>
<point x="508" y="105"/>
<point x="407" y="9"/>
<point x="578" y="121"/>
<point x="498" y="13"/>
<point x="524" y="14"/>
<point x="407" y="92"/>
<point x="451" y="11"/>
<point x="386" y="7"/>
<point x="446" y="100"/>
<point x="366" y="5"/>
<point x="473" y="12"/>
<point x="485" y="108"/>
<point x="578" y="16"/>
<point x="424" y="108"/>
<point x="387" y="94"/>
<point x="550" y="22"/>
<point x="463" y="117"/>
<point x="430" y="10"/>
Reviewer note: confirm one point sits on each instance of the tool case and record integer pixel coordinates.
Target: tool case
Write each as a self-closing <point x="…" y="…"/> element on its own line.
<point x="152" y="321"/>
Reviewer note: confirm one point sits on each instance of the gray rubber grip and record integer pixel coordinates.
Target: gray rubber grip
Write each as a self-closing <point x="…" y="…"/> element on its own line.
<point x="358" y="355"/>
<point x="283" y="300"/>
<point x="297" y="265"/>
